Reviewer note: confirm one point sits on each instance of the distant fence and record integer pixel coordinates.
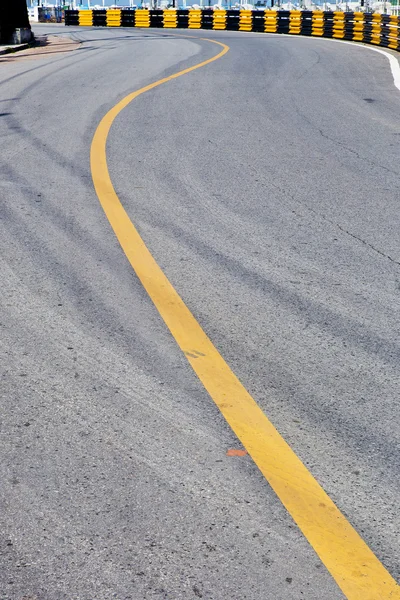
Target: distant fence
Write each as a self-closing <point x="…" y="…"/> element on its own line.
<point x="46" y="14"/>
<point x="371" y="28"/>
<point x="50" y="15"/>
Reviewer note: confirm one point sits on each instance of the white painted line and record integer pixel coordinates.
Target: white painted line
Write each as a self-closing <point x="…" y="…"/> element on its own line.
<point x="394" y="63"/>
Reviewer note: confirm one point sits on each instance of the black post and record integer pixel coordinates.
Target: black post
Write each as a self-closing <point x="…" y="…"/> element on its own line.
<point x="13" y="16"/>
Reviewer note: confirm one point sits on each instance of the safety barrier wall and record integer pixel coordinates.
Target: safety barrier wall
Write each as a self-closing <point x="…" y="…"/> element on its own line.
<point x="371" y="28"/>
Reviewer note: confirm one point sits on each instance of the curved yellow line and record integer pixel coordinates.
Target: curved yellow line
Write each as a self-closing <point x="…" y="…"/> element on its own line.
<point x="350" y="561"/>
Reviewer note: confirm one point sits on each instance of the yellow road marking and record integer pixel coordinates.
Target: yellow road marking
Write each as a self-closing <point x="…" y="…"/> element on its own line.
<point x="350" y="561"/>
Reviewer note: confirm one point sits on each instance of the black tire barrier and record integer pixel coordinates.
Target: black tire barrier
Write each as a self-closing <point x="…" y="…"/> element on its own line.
<point x="283" y="21"/>
<point x="100" y="18"/>
<point x="232" y="20"/>
<point x="306" y="23"/>
<point x="207" y="21"/>
<point x="157" y="18"/>
<point x="258" y="23"/>
<point x="370" y="28"/>
<point x="72" y="17"/>
<point x="182" y="19"/>
<point x="128" y="18"/>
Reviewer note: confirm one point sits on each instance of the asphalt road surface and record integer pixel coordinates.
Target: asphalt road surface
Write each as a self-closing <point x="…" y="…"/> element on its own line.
<point x="266" y="185"/>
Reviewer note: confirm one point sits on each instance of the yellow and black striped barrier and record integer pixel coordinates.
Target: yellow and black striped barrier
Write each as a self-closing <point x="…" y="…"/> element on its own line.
<point x="370" y="28"/>
<point x="85" y="18"/>
<point x="113" y="18"/>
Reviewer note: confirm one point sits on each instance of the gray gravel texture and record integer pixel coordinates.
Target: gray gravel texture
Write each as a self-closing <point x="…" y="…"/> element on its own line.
<point x="266" y="185"/>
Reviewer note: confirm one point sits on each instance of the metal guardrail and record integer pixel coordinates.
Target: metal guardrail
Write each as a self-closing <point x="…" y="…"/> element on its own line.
<point x="371" y="28"/>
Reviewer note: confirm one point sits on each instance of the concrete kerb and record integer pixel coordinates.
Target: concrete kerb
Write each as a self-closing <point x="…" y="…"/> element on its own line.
<point x="21" y="39"/>
<point x="15" y="48"/>
<point x="45" y="45"/>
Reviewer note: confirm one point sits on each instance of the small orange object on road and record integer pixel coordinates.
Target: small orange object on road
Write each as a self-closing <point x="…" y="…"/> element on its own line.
<point x="234" y="452"/>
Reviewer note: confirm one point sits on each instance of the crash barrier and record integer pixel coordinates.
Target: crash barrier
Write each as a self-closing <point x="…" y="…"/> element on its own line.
<point x="371" y="28"/>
